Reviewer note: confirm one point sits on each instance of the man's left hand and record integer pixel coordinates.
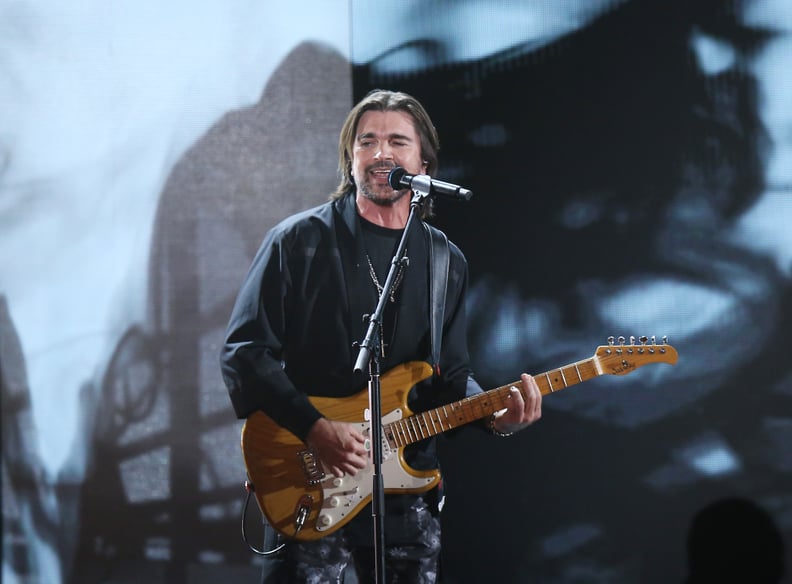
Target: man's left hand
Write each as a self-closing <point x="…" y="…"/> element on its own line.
<point x="524" y="408"/>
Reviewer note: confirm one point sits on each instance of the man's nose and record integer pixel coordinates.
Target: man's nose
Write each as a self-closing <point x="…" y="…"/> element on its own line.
<point x="384" y="153"/>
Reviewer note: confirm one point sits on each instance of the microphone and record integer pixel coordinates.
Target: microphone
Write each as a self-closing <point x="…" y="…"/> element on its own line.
<point x="398" y="179"/>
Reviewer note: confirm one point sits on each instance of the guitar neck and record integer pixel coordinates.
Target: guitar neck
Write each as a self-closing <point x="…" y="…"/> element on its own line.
<point x="438" y="420"/>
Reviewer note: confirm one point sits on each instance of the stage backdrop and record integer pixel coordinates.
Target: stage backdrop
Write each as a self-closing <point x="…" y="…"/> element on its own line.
<point x="632" y="169"/>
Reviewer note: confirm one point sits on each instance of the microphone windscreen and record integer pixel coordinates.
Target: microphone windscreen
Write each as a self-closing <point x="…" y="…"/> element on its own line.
<point x="394" y="178"/>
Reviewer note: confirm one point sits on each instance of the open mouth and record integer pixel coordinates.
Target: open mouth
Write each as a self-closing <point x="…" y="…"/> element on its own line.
<point x="381" y="174"/>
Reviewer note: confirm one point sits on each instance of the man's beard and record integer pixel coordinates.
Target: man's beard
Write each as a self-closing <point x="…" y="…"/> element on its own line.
<point x="385" y="196"/>
<point x="383" y="199"/>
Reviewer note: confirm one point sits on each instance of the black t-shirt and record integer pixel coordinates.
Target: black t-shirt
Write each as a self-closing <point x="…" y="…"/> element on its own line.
<point x="380" y="245"/>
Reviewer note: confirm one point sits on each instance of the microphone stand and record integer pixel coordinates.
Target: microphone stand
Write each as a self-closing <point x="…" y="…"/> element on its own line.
<point x="366" y="355"/>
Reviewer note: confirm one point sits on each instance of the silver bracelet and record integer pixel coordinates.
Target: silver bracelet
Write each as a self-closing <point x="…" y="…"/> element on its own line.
<point x="495" y="431"/>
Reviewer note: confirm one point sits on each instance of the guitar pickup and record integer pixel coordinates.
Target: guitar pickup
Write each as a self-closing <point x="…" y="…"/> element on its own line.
<point x="309" y="462"/>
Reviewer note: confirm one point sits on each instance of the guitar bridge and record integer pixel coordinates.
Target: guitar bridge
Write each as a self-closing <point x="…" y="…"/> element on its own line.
<point x="311" y="466"/>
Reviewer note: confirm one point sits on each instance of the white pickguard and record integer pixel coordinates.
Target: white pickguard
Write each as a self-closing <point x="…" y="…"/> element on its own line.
<point x="341" y="495"/>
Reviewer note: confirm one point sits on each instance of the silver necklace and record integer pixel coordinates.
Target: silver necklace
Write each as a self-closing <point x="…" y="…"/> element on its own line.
<point x="396" y="281"/>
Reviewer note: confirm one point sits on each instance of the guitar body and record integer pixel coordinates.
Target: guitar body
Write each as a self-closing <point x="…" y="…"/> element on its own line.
<point x="288" y="479"/>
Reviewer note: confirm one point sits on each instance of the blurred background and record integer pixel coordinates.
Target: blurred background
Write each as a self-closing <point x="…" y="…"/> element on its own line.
<point x="632" y="168"/>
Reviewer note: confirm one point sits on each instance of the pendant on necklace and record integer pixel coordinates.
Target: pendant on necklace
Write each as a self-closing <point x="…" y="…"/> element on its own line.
<point x="397" y="281"/>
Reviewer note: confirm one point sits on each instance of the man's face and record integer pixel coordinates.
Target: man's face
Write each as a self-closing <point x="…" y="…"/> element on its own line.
<point x="383" y="141"/>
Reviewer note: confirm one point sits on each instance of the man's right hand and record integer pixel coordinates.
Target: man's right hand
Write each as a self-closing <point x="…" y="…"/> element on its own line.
<point x="340" y="446"/>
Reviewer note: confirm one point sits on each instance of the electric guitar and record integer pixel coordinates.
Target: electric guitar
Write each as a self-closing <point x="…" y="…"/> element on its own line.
<point x="300" y="501"/>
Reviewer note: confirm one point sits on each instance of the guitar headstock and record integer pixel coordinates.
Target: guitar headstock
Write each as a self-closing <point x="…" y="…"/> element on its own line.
<point x="620" y="357"/>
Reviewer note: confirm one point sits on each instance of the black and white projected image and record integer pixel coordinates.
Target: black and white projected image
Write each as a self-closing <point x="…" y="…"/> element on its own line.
<point x="626" y="160"/>
<point x="145" y="149"/>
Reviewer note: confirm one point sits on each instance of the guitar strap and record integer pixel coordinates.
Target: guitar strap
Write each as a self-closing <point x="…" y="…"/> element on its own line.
<point x="438" y="283"/>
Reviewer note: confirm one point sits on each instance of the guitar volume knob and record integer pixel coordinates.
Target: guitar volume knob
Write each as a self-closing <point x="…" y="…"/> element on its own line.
<point x="324" y="520"/>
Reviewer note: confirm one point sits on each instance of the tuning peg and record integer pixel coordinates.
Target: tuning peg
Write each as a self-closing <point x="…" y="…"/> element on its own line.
<point x="632" y="340"/>
<point x="611" y="340"/>
<point x="621" y="340"/>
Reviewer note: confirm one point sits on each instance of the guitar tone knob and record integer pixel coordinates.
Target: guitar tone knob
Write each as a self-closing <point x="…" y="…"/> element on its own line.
<point x="324" y="520"/>
<point x="334" y="501"/>
<point x="338" y="481"/>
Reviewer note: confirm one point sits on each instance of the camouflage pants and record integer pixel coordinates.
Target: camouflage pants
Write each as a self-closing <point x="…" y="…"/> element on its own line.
<point x="412" y="550"/>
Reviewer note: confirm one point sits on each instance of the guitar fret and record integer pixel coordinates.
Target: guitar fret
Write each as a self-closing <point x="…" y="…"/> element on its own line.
<point x="402" y="433"/>
<point x="448" y="421"/>
<point x="473" y="406"/>
<point x="406" y="432"/>
<point x="388" y="433"/>
<point x="580" y="379"/>
<point x="431" y="419"/>
<point x="416" y="428"/>
<point x="484" y="405"/>
<point x="408" y="436"/>
<point x="549" y="383"/>
<point x="452" y="415"/>
<point x="411" y="431"/>
<point x="563" y="377"/>
<point x="459" y="406"/>
<point x="393" y="428"/>
<point x="460" y="411"/>
<point x="421" y="426"/>
<point x="439" y="420"/>
<point x="429" y="431"/>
